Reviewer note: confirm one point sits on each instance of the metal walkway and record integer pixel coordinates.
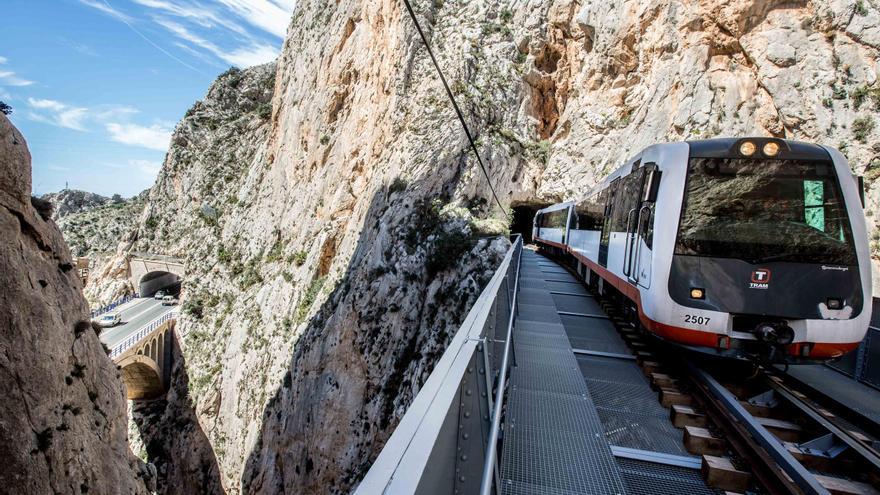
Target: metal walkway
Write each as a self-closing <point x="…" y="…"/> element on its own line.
<point x="582" y="417"/>
<point x="553" y="439"/>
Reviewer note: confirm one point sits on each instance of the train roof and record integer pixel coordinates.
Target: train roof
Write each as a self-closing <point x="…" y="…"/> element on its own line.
<point x="554" y="207"/>
<point x="729" y="148"/>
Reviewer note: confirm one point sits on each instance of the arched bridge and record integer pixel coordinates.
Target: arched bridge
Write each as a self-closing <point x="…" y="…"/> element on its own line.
<point x="145" y="358"/>
<point x="151" y="272"/>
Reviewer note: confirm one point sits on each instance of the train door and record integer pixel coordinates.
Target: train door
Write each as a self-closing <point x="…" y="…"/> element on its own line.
<point x="645" y="219"/>
<point x="635" y="183"/>
<point x="605" y="239"/>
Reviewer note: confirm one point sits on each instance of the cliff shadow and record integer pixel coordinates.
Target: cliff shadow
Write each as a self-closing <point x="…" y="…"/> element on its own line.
<point x="174" y="441"/>
<point x="364" y="354"/>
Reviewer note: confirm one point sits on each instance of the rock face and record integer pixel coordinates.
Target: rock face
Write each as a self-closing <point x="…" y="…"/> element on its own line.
<point x="336" y="227"/>
<point x="62" y="420"/>
<point x="94" y="229"/>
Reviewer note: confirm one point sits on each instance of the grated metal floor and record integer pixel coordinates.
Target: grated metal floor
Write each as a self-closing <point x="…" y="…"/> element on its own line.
<point x="554" y="441"/>
<point x="565" y="411"/>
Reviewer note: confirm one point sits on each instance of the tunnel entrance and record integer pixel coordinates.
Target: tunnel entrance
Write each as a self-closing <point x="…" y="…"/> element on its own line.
<point x="155" y="281"/>
<point x="523" y="217"/>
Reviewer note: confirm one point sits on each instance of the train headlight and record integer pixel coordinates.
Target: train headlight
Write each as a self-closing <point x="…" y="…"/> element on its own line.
<point x="698" y="293"/>
<point x="771" y="149"/>
<point x="747" y="148"/>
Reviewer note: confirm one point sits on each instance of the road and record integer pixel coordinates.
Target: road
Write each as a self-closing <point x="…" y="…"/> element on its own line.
<point x="135" y="314"/>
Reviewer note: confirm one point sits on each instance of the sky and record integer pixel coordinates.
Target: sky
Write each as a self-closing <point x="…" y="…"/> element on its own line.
<point x="97" y="86"/>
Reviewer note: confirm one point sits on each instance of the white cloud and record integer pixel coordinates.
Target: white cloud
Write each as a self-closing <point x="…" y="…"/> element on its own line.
<point x="58" y="114"/>
<point x="9" y="78"/>
<point x="146" y="166"/>
<point x="253" y="54"/>
<point x="195" y="13"/>
<point x="104" y="7"/>
<point x="272" y="16"/>
<point x="115" y="113"/>
<point x="155" y="137"/>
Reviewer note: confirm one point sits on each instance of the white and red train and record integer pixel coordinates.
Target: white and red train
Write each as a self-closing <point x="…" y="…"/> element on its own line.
<point x="747" y="248"/>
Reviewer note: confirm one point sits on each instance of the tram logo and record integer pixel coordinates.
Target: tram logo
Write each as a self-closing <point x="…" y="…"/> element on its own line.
<point x="760" y="279"/>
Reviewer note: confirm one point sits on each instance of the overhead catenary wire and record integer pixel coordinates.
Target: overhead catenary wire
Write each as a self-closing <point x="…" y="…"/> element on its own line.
<point x="451" y="96"/>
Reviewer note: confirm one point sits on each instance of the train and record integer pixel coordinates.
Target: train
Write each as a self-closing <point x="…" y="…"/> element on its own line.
<point x="747" y="248"/>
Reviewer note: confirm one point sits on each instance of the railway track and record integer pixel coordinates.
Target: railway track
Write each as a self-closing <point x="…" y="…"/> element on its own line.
<point x="758" y="433"/>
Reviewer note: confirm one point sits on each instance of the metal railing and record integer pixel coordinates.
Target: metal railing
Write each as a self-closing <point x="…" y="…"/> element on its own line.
<point x="115" y="304"/>
<point x="156" y="257"/>
<point x="446" y="442"/>
<point x="135" y="338"/>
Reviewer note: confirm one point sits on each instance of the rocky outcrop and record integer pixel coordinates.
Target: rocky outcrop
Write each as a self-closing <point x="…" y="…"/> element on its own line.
<point x="62" y="420"/>
<point x="71" y="201"/>
<point x="94" y="230"/>
<point x="336" y="228"/>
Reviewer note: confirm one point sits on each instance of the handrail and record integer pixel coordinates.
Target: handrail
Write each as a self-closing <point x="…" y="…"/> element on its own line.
<point x="627" y="247"/>
<point x="135" y="338"/>
<point x="491" y="446"/>
<point x="115" y="304"/>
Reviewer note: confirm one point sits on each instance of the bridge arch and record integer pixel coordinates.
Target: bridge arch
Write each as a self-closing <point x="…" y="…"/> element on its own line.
<point x="142" y="376"/>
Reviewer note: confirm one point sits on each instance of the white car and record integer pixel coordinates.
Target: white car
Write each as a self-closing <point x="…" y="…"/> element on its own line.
<point x="160" y="295"/>
<point x="109" y="320"/>
<point x="169" y="301"/>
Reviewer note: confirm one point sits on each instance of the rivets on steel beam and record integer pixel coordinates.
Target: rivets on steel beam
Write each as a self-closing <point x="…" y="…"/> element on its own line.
<point x="467" y="414"/>
<point x="465" y="436"/>
<point x="468" y="392"/>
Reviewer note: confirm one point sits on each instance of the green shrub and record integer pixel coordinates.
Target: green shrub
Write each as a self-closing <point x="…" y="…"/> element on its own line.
<point x="194" y="307"/>
<point x="298" y="258"/>
<point x="324" y="139"/>
<point x="308" y="298"/>
<point x="276" y="253"/>
<point x="861" y="127"/>
<point x="859" y="8"/>
<point x="264" y="110"/>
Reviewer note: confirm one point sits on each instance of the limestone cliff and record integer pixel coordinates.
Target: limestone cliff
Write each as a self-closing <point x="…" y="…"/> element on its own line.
<point x="62" y="417"/>
<point x="336" y="228"/>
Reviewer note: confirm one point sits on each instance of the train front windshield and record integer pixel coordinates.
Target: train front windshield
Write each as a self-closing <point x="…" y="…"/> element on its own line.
<point x="761" y="210"/>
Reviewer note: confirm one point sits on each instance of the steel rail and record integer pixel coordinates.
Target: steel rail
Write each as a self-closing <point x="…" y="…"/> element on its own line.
<point x="867" y="453"/>
<point x="790" y="468"/>
<point x="491" y="446"/>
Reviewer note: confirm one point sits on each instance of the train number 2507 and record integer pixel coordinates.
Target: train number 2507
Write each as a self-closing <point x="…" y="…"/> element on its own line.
<point x="699" y="320"/>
